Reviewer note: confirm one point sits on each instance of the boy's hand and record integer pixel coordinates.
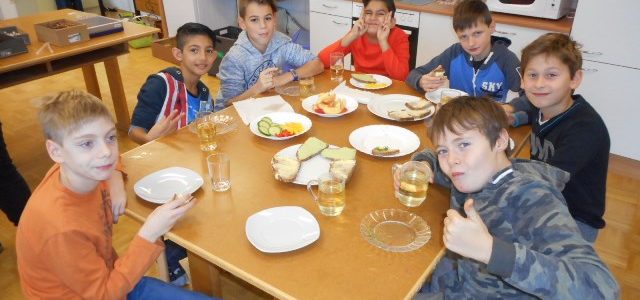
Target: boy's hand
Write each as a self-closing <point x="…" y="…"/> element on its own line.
<point x="265" y="81"/>
<point x="118" y="195"/>
<point x="165" y="216"/>
<point x="508" y="109"/>
<point x="429" y="82"/>
<point x="165" y="126"/>
<point x="468" y="236"/>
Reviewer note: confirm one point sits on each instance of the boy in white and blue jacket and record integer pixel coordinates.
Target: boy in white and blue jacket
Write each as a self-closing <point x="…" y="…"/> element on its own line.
<point x="508" y="234"/>
<point x="249" y="68"/>
<point x="480" y="64"/>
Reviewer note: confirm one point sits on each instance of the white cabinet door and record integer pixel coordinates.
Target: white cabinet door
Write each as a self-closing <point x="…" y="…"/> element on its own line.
<point x="178" y="12"/>
<point x="339" y="8"/>
<point x="435" y="34"/>
<point x="613" y="91"/>
<point x="326" y="29"/>
<point x="520" y="36"/>
<point x="608" y="31"/>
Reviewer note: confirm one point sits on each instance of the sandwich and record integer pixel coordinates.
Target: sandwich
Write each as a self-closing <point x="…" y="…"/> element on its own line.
<point x="439" y="71"/>
<point x="401" y="115"/>
<point x="310" y="148"/>
<point x="344" y="153"/>
<point x="342" y="168"/>
<point x="364" y="78"/>
<point x="384" y="151"/>
<point x="417" y="105"/>
<point x="285" y="169"/>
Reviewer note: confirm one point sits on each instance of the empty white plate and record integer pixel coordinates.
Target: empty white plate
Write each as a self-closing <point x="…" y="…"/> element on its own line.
<point x="364" y="139"/>
<point x="282" y="229"/>
<point x="159" y="187"/>
<point x="351" y="105"/>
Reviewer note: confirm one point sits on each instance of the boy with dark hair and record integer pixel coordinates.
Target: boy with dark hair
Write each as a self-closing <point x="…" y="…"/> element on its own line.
<point x="567" y="132"/>
<point x="480" y="64"/>
<point x="170" y="99"/>
<point x="251" y="65"/>
<point x="508" y="232"/>
<point x="64" y="243"/>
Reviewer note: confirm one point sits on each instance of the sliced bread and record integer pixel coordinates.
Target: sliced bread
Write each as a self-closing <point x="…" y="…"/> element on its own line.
<point x="439" y="71"/>
<point x="344" y="153"/>
<point x="366" y="78"/>
<point x="342" y="168"/>
<point x="418" y="104"/>
<point x="384" y="151"/>
<point x="285" y="169"/>
<point x="401" y="115"/>
<point x="310" y="148"/>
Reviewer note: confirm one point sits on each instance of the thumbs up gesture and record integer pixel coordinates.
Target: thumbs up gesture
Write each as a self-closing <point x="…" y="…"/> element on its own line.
<point x="468" y="236"/>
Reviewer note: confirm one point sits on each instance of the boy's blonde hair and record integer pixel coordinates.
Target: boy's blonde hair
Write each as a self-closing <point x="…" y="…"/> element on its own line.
<point x="468" y="13"/>
<point x="66" y="111"/>
<point x="468" y="113"/>
<point x="558" y="45"/>
<point x="242" y="9"/>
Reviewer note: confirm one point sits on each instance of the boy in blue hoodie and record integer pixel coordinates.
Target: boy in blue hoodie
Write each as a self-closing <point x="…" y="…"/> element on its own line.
<point x="480" y="64"/>
<point x="170" y="99"/>
<point x="509" y="234"/>
<point x="249" y="68"/>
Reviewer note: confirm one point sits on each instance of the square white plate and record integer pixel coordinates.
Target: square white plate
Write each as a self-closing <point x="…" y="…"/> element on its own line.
<point x="159" y="187"/>
<point x="282" y="229"/>
<point x="309" y="169"/>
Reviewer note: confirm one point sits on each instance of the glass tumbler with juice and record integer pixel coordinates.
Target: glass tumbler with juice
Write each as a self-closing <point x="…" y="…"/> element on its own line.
<point x="411" y="181"/>
<point x="331" y="197"/>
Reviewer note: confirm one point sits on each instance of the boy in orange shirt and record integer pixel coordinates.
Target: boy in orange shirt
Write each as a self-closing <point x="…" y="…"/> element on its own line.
<point x="378" y="47"/>
<point x="63" y="242"/>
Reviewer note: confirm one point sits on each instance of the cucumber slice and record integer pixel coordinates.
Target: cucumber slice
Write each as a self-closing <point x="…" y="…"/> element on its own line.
<point x="273" y="130"/>
<point x="264" y="123"/>
<point x="267" y="119"/>
<point x="264" y="130"/>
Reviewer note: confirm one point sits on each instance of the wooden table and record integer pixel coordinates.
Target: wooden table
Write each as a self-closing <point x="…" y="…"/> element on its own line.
<point x="30" y="66"/>
<point x="340" y="264"/>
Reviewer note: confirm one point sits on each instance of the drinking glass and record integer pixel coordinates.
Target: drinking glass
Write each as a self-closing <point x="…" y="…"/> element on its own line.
<point x="219" y="171"/>
<point x="206" y="129"/>
<point x="331" y="197"/>
<point x="307" y="87"/>
<point x="411" y="181"/>
<point x="336" y="64"/>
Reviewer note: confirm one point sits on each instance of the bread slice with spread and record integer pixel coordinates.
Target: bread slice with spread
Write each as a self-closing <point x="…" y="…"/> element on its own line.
<point x="310" y="148"/>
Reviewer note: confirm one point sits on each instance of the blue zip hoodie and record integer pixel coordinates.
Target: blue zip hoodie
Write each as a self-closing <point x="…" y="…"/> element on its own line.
<point x="495" y="77"/>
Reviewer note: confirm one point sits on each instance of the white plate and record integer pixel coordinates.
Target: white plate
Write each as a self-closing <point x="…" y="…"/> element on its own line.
<point x="281" y="118"/>
<point x="379" y="78"/>
<point x="382" y="105"/>
<point x="434" y="96"/>
<point x="282" y="229"/>
<point x="350" y="102"/>
<point x="309" y="169"/>
<point x="364" y="139"/>
<point x="159" y="187"/>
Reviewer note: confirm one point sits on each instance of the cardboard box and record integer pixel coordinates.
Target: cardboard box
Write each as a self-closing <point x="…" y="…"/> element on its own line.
<point x="162" y="50"/>
<point x="225" y="38"/>
<point x="10" y="45"/>
<point x="13" y="31"/>
<point x="62" y="32"/>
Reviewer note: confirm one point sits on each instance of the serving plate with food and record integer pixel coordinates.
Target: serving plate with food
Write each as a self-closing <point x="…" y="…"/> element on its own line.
<point x="302" y="163"/>
<point x="370" y="81"/>
<point x="444" y="95"/>
<point x="330" y="104"/>
<point x="384" y="140"/>
<point x="280" y="125"/>
<point x="402" y="108"/>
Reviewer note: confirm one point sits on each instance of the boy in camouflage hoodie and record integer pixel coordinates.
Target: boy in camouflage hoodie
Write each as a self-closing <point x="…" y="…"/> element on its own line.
<point x="509" y="232"/>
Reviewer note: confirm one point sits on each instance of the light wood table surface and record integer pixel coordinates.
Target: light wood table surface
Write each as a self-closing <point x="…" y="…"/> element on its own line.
<point x="30" y="66"/>
<point x="340" y="264"/>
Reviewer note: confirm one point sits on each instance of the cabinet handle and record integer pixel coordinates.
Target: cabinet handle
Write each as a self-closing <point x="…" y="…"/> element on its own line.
<point x="592" y="52"/>
<point x="339" y="23"/>
<point x="329" y="6"/>
<point x="505" y="32"/>
<point x="590" y="70"/>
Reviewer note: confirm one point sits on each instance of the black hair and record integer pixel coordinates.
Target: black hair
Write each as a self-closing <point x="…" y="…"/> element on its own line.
<point x="190" y="29"/>
<point x="469" y="12"/>
<point x="391" y="5"/>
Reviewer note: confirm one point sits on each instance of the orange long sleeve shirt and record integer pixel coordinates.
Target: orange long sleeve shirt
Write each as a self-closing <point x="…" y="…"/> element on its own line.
<point x="64" y="246"/>
<point x="370" y="59"/>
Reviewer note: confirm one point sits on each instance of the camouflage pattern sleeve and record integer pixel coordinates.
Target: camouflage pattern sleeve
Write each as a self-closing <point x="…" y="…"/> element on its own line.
<point x="430" y="157"/>
<point x="552" y="260"/>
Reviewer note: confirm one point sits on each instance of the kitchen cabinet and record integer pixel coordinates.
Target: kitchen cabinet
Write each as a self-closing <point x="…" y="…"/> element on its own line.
<point x="329" y="20"/>
<point x="611" y="68"/>
<point x="520" y="36"/>
<point x="435" y="34"/>
<point x="213" y="13"/>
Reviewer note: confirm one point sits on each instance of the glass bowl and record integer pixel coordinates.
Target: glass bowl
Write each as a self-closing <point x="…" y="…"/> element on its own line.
<point x="395" y="230"/>
<point x="224" y="123"/>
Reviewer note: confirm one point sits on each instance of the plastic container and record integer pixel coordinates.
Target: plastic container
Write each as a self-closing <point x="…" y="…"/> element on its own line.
<point x="225" y="38"/>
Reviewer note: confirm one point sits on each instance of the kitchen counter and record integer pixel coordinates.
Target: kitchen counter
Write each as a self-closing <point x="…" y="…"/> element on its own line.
<point x="563" y="25"/>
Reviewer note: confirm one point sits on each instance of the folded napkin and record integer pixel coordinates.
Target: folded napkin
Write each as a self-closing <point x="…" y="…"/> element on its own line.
<point x="254" y="107"/>
<point x="363" y="97"/>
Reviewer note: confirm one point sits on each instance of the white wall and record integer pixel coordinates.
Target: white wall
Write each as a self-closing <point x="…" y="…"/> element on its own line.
<point x="8" y="9"/>
<point x="121" y="4"/>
